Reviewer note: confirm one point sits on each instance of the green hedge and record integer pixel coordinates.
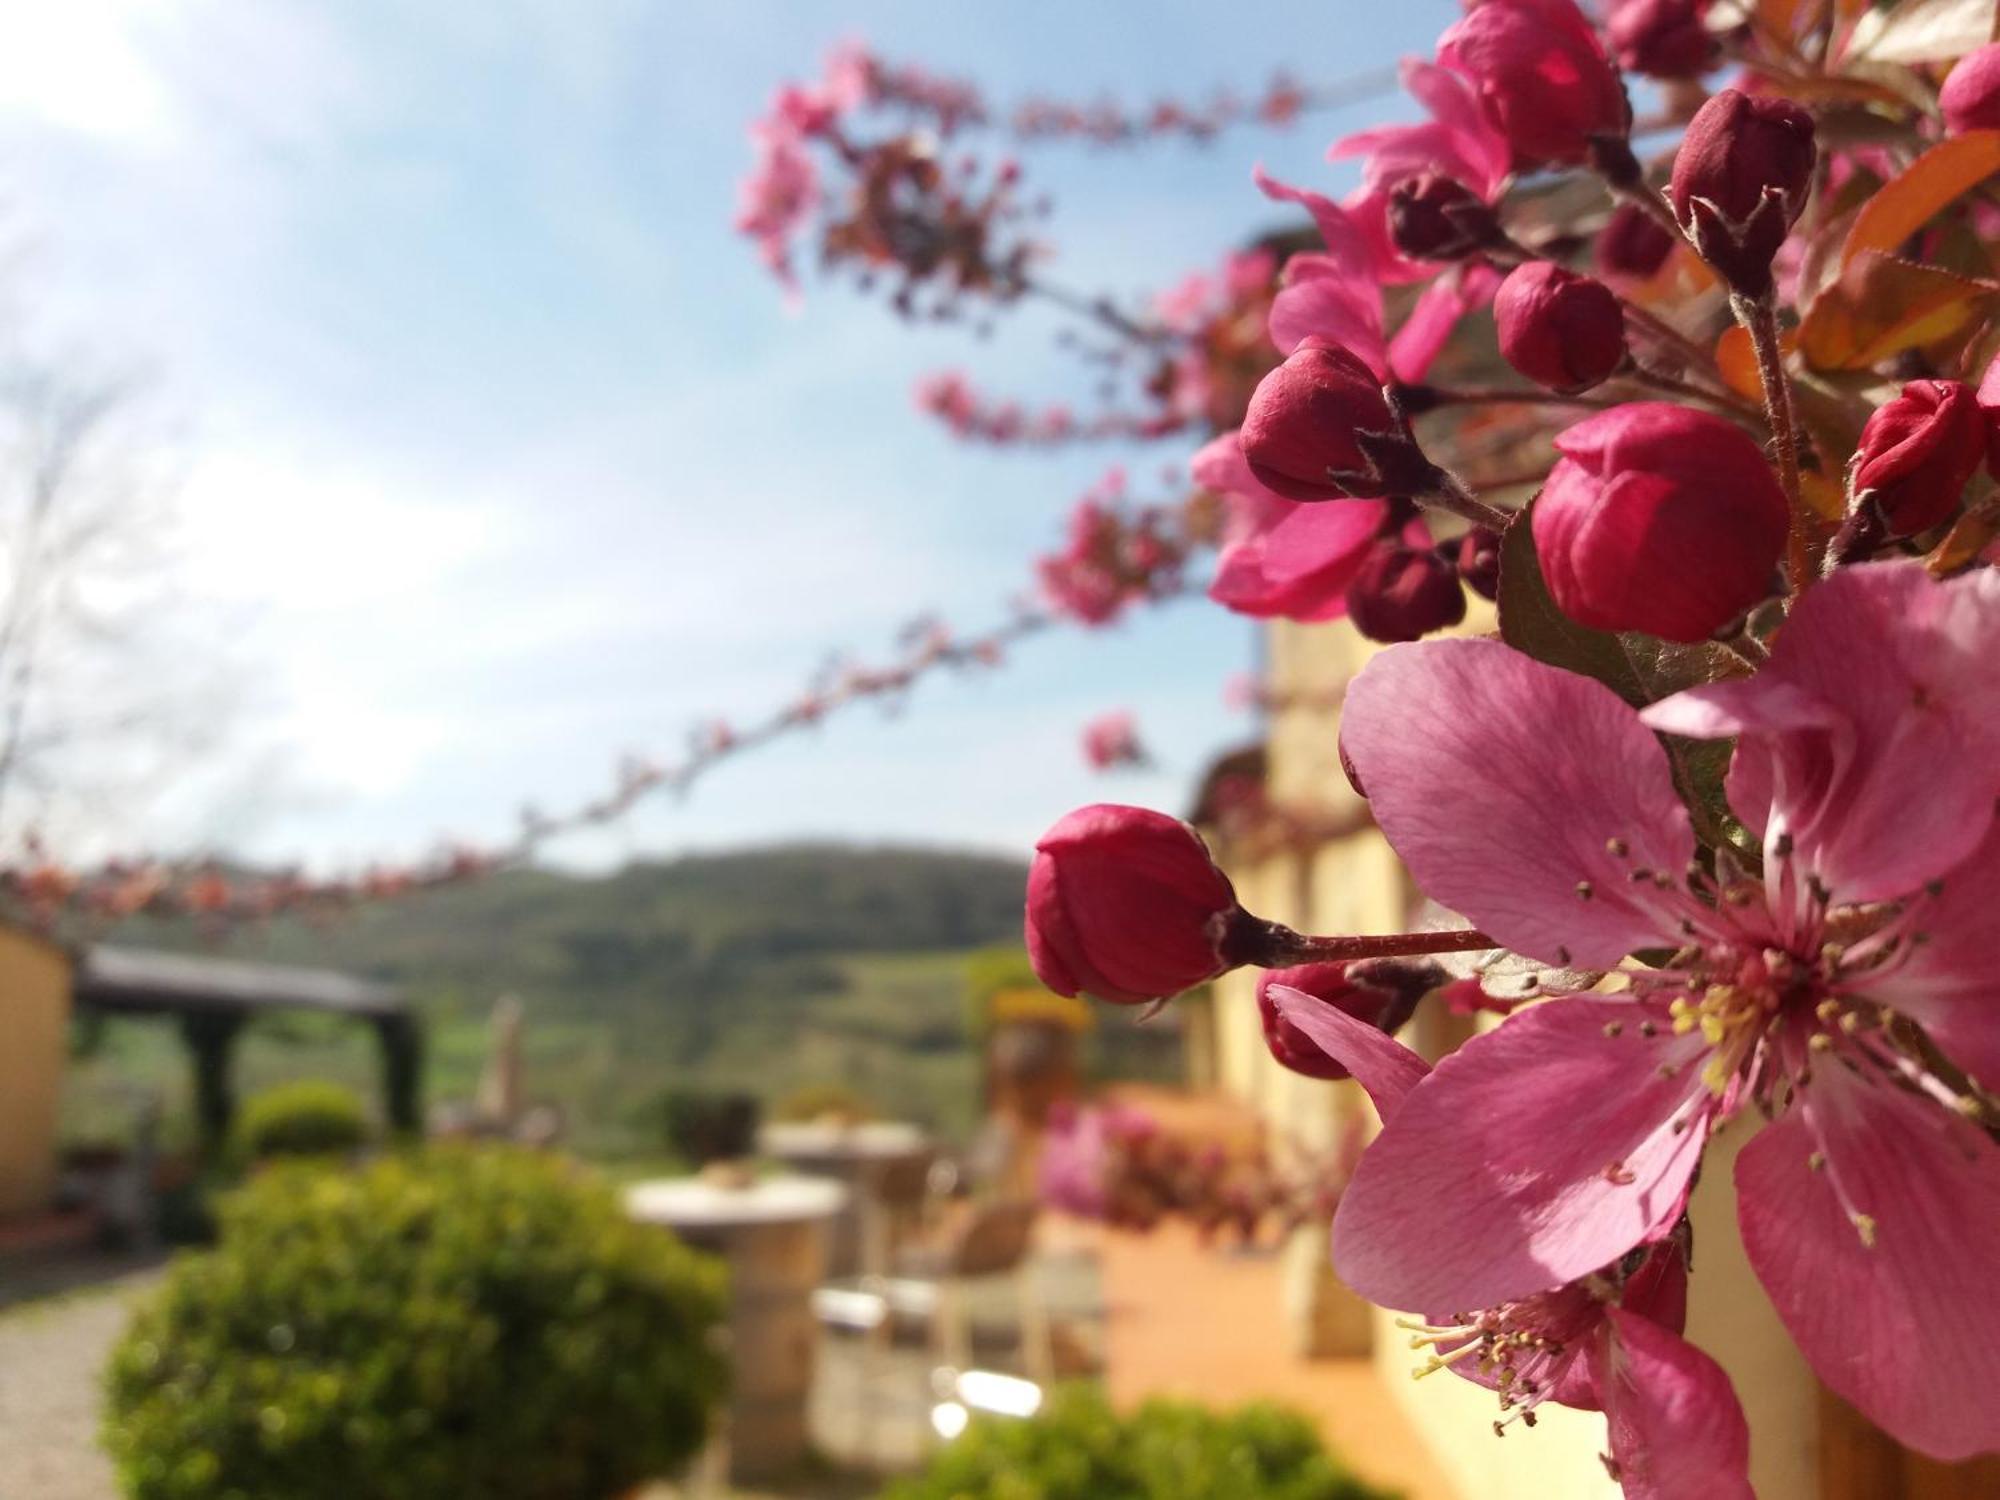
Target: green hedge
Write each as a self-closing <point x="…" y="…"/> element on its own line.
<point x="470" y="1322"/>
<point x="1076" y="1448"/>
<point x="309" y="1118"/>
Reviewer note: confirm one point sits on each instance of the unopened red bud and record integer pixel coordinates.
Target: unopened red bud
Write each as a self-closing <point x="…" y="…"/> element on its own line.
<point x="1402" y="594"/>
<point x="1970" y="97"/>
<point x="1478" y="560"/>
<point x="1126" y="905"/>
<point x="1740" y="181"/>
<point x="1434" y="217"/>
<point x="1661" y="519"/>
<point x="1916" y="454"/>
<point x="1382" y="993"/>
<point x="1633" y="245"/>
<point x="1319" y="427"/>
<point x="1543" y="80"/>
<point x="1559" y="329"/>
<point x="1662" y="38"/>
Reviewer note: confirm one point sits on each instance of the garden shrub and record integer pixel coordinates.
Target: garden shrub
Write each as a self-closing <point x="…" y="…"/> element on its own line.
<point x="311" y="1117"/>
<point x="1076" y="1448"/>
<point x="467" y="1322"/>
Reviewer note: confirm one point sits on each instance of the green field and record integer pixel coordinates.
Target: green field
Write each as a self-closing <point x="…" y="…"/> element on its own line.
<point x="764" y="971"/>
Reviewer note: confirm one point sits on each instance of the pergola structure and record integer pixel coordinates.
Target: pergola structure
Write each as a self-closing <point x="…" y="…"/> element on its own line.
<point x="214" y="998"/>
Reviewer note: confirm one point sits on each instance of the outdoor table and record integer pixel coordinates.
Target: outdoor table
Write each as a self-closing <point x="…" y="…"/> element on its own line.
<point x="858" y="1155"/>
<point x="772" y="1233"/>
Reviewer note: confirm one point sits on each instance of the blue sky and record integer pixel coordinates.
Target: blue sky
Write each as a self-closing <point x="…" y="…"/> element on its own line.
<point x="502" y="456"/>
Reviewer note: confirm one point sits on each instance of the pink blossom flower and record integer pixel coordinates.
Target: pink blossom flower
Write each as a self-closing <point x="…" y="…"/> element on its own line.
<point x="1607" y="1340"/>
<point x="778" y="196"/>
<point x="1112" y="739"/>
<point x="1337" y="296"/>
<point x="1282" y="559"/>
<point x="1457" y="141"/>
<point x="1539" y="805"/>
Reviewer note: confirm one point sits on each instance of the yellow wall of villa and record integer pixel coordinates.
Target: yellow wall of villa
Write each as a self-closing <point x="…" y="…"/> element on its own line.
<point x="1353" y="883"/>
<point x="34" y="1044"/>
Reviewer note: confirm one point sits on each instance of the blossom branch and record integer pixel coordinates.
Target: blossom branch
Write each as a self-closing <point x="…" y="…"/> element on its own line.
<point x="1759" y="319"/>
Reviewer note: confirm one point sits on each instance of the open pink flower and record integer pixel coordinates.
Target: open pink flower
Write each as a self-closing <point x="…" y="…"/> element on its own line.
<point x="1539" y="805"/>
<point x="1457" y="141"/>
<point x="1282" y="559"/>
<point x="1605" y="1341"/>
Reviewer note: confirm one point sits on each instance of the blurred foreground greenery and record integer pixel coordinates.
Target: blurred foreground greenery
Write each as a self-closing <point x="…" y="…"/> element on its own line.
<point x="1077" y="1448"/>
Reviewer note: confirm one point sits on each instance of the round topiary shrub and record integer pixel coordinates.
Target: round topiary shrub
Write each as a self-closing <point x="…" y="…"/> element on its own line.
<point x="1077" y="1448"/>
<point x="478" y="1322"/>
<point x="308" y="1118"/>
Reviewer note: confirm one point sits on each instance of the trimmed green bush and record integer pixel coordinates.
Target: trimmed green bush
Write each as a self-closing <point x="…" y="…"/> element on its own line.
<point x="1077" y="1448"/>
<point x="308" y="1118"/>
<point x="473" y="1321"/>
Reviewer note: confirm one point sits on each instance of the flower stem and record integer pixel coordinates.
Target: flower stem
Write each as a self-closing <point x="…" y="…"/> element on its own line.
<point x="1283" y="946"/>
<point x="1760" y="320"/>
<point x="1449" y="493"/>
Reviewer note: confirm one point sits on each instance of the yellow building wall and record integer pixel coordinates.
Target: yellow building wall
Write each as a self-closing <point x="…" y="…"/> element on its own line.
<point x="34" y="1045"/>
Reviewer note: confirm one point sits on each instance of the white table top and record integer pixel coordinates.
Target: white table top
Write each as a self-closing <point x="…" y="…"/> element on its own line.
<point x="691" y="1202"/>
<point x="873" y="1138"/>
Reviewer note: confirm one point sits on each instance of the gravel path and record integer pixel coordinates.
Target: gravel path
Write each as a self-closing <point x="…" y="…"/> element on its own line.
<point x="51" y="1355"/>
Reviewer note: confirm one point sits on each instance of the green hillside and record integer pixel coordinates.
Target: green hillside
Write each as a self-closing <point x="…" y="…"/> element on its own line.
<point x="767" y="969"/>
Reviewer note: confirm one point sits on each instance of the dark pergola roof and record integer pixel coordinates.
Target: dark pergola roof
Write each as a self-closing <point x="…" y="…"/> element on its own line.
<point x="146" y="981"/>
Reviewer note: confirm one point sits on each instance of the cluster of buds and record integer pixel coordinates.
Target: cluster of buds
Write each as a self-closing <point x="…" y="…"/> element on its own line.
<point x="1116" y="555"/>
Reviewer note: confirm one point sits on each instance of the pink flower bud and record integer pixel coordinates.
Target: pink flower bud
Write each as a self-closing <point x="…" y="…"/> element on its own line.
<point x="1662" y="38"/>
<point x="1740" y="179"/>
<point x="1659" y="518"/>
<point x="1970" y="97"/>
<point x="1381" y="992"/>
<point x="1126" y="905"/>
<point x="1320" y="428"/>
<point x="1559" y="329"/>
<point x="1479" y="562"/>
<point x="1917" y="452"/>
<point x="1402" y="594"/>
<point x="1434" y="217"/>
<point x="1543" y="80"/>
<point x="1632" y="245"/>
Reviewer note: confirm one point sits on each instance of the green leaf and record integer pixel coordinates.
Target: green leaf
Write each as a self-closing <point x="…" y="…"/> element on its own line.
<point x="1531" y="623"/>
<point x="1637" y="668"/>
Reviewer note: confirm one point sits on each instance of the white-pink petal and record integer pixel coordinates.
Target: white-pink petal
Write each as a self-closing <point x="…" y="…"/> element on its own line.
<point x="1522" y="796"/>
<point x="1677" y="1429"/>
<point x="1383" y="1066"/>
<point x="1895" y="1311"/>
<point x="1949" y="983"/>
<point x="1889" y="778"/>
<point x="1538" y="1153"/>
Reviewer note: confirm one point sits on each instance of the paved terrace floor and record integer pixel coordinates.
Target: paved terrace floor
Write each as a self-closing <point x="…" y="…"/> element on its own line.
<point x="1189" y="1320"/>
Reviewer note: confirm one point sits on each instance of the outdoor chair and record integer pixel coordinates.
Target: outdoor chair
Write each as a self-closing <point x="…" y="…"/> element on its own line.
<point x="935" y="1287"/>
